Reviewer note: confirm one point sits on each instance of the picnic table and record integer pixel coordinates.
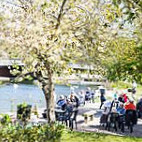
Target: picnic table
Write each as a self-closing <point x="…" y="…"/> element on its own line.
<point x="89" y="116"/>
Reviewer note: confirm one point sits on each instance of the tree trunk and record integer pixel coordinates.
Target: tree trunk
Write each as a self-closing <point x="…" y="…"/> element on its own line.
<point x="48" y="89"/>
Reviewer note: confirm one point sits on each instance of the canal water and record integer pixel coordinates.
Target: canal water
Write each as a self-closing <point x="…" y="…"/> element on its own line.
<point x="12" y="94"/>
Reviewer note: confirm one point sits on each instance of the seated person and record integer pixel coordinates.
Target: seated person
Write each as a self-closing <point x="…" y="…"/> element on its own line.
<point x="139" y="108"/>
<point x="88" y="94"/>
<point x="62" y="102"/>
<point x="130" y="105"/>
<point x="121" y="109"/>
<point x="105" y="113"/>
<point x="130" y="116"/>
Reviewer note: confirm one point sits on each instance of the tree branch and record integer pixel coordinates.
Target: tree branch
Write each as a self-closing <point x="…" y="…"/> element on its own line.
<point x="60" y="13"/>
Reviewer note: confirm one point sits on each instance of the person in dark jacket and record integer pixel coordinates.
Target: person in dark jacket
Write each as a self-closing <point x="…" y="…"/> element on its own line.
<point x="139" y="108"/>
<point x="88" y="95"/>
<point x="102" y="99"/>
<point x="74" y="99"/>
<point x="121" y="99"/>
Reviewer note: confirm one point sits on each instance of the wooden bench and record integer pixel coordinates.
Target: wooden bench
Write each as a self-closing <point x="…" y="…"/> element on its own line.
<point x="88" y="116"/>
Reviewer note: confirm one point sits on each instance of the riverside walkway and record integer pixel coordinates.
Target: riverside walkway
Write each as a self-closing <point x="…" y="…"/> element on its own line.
<point x="91" y="126"/>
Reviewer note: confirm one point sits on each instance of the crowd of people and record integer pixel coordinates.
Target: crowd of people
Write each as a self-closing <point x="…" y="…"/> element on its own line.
<point x="122" y="103"/>
<point x="121" y="100"/>
<point x="128" y="102"/>
<point x="119" y="105"/>
<point x="65" y="102"/>
<point x="75" y="99"/>
<point x="81" y="97"/>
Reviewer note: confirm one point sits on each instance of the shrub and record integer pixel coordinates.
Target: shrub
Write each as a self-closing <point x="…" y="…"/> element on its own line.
<point x="120" y="85"/>
<point x="5" y="119"/>
<point x="24" y="111"/>
<point x="30" y="133"/>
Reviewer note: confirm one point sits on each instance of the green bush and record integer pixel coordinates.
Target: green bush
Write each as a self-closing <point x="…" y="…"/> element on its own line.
<point x="29" y="133"/>
<point x="5" y="119"/>
<point x="24" y="111"/>
<point x="121" y="85"/>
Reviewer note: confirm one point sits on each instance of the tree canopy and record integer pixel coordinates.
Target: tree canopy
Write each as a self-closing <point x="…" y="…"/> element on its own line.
<point x="125" y="51"/>
<point x="48" y="35"/>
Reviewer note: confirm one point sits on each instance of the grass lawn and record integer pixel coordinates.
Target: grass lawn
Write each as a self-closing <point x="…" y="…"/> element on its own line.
<point x="93" y="137"/>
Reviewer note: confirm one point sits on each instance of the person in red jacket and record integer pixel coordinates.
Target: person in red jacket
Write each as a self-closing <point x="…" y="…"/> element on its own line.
<point x="130" y="105"/>
<point x="125" y="98"/>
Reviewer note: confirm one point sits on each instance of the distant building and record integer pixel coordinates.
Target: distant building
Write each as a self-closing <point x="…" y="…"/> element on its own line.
<point x="81" y="67"/>
<point x="7" y="64"/>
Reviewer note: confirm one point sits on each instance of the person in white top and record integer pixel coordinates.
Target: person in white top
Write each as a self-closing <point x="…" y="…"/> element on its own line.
<point x="104" y="117"/>
<point x="134" y="86"/>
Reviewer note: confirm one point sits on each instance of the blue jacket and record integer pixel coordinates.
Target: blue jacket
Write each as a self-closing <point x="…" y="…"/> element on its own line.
<point x="121" y="110"/>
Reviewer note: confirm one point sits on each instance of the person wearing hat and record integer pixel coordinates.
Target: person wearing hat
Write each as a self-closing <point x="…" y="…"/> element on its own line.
<point x="62" y="102"/>
<point x="130" y="105"/>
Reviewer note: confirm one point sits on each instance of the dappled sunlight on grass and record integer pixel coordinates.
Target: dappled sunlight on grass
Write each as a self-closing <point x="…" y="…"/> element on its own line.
<point x="69" y="136"/>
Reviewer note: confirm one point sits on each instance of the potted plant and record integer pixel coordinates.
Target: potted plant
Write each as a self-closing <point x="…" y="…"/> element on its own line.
<point x="24" y="111"/>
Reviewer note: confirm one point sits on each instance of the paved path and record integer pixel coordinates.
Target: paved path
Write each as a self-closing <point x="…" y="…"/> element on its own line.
<point x="93" y="126"/>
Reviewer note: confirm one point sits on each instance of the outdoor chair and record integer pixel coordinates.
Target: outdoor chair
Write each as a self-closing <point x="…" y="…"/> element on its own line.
<point x="44" y="114"/>
<point x="112" y="121"/>
<point x="139" y="109"/>
<point x="103" y="120"/>
<point x="130" y="119"/>
<point x="63" y="117"/>
<point x="121" y="122"/>
<point x="73" y="119"/>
